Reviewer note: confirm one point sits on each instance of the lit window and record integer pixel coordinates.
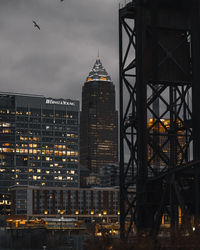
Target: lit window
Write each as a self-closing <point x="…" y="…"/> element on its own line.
<point x="103" y="78"/>
<point x="4" y="124"/>
<point x="6" y="131"/>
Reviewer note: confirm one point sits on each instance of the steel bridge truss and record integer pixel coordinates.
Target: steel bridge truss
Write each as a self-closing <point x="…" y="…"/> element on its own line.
<point x="159" y="151"/>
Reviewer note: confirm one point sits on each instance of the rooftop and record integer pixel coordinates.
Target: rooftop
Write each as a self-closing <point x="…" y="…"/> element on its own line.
<point x="98" y="73"/>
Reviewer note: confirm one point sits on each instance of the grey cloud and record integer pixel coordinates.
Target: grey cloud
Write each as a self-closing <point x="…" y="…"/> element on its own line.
<point x="56" y="60"/>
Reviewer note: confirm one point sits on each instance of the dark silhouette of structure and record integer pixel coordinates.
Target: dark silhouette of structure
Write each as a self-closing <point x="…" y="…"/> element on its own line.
<point x="159" y="78"/>
<point x="99" y="128"/>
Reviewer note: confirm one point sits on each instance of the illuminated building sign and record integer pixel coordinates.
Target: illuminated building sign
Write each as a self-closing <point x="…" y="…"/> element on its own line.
<point x="60" y="102"/>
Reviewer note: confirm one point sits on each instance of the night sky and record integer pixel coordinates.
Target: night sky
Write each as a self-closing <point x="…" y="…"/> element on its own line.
<point x="56" y="60"/>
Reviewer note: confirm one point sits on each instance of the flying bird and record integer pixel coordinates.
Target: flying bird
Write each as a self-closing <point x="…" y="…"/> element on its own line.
<point x="36" y="25"/>
<point x="62" y="0"/>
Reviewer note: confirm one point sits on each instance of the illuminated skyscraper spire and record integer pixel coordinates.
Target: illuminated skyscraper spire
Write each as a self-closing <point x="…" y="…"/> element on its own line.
<point x="98" y="72"/>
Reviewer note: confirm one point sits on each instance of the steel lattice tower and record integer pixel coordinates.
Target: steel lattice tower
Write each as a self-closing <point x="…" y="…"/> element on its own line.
<point x="159" y="56"/>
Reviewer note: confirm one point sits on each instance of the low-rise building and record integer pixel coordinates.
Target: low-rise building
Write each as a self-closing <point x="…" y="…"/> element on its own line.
<point x="66" y="202"/>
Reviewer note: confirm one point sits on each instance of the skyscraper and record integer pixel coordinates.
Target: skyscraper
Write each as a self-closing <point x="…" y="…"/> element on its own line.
<point x="39" y="142"/>
<point x="99" y="121"/>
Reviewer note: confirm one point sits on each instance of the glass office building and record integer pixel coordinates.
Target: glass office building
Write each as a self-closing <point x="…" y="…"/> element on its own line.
<point x="39" y="142"/>
<point x="99" y="120"/>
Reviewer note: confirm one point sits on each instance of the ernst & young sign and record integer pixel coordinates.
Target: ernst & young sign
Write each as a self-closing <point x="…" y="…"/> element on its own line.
<point x="60" y="102"/>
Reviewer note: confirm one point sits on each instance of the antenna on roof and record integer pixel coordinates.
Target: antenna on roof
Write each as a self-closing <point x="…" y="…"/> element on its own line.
<point x="98" y="53"/>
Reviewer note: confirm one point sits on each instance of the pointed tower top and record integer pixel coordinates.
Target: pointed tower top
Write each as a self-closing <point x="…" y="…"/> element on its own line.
<point x="98" y="72"/>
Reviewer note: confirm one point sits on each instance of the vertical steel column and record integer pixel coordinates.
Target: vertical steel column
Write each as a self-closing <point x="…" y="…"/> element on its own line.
<point x="128" y="131"/>
<point x="195" y="104"/>
<point x="122" y="217"/>
<point x="141" y="114"/>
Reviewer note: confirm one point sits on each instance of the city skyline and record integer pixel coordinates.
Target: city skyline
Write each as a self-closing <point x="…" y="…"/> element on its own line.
<point x="62" y="184"/>
<point x="55" y="59"/>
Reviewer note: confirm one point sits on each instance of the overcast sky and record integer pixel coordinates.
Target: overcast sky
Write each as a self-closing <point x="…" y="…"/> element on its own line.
<point x="56" y="60"/>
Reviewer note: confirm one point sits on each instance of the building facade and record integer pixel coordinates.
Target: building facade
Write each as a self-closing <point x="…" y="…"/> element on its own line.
<point x="67" y="202"/>
<point x="109" y="175"/>
<point x="99" y="120"/>
<point x="39" y="142"/>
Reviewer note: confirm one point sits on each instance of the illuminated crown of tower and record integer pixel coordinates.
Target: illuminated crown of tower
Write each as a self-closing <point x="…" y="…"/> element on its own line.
<point x="98" y="73"/>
